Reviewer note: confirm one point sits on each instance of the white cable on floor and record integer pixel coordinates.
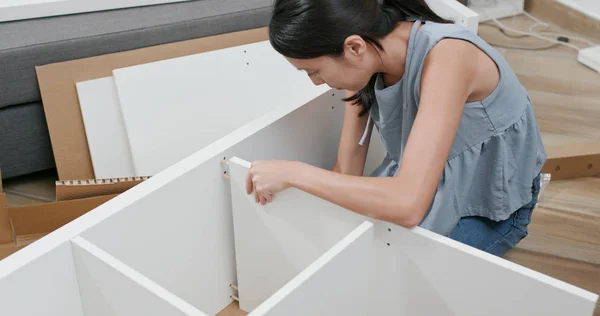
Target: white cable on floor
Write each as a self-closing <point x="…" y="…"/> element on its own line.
<point x="506" y="28"/>
<point x="540" y="22"/>
<point x="534" y="34"/>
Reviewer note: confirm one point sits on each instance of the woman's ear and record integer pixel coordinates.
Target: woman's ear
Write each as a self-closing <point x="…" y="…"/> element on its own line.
<point x="355" y="46"/>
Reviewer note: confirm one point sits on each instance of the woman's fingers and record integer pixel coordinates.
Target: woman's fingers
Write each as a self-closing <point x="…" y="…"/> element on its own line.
<point x="249" y="184"/>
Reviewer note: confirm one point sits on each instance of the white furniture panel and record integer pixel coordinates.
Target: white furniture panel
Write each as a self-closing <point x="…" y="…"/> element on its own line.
<point x="275" y="242"/>
<point x="174" y="107"/>
<point x="335" y="284"/>
<point x="457" y="12"/>
<point x="424" y="273"/>
<point x="176" y="227"/>
<point x="411" y="271"/>
<point x="590" y="8"/>
<point x="42" y="283"/>
<point x="108" y="287"/>
<point x="29" y="9"/>
<point x="104" y="128"/>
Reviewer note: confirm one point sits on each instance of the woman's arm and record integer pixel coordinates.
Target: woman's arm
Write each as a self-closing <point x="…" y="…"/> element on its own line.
<point x="446" y="84"/>
<point x="351" y="155"/>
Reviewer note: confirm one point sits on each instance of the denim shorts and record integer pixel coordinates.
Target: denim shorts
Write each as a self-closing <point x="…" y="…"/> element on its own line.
<point x="497" y="237"/>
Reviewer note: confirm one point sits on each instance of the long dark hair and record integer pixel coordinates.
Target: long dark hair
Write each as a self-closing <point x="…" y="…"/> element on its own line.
<point x="305" y="29"/>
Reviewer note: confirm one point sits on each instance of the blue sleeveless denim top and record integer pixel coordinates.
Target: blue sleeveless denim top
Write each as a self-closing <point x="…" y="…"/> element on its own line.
<point x="497" y="151"/>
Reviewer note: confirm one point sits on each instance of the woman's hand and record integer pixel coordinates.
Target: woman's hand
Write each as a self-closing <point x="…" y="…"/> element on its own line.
<point x="266" y="178"/>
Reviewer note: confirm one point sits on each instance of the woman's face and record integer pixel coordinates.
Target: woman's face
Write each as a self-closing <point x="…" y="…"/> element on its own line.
<point x="351" y="71"/>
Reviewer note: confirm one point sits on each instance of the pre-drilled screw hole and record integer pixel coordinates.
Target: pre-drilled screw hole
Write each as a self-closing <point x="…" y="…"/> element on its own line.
<point x="389" y="229"/>
<point x="557" y="168"/>
<point x="388" y="243"/>
<point x="590" y="166"/>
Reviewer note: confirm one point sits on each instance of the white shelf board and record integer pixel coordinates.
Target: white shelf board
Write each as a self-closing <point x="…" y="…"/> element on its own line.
<point x="275" y="242"/>
<point x="104" y="129"/>
<point x="174" y="107"/>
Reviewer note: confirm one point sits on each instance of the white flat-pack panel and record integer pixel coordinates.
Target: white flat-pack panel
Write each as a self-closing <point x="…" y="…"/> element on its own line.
<point x="29" y="9"/>
<point x="176" y="227"/>
<point x="174" y="107"/>
<point x="45" y="284"/>
<point x="108" y="287"/>
<point x="422" y="273"/>
<point x="457" y="12"/>
<point x="104" y="128"/>
<point x="275" y="242"/>
<point x="335" y="284"/>
<point x="590" y="8"/>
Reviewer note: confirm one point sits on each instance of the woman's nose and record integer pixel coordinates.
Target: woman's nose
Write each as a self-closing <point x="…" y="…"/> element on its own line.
<point x="317" y="81"/>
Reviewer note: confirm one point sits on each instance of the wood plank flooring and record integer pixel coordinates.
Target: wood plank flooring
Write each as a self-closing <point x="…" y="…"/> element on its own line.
<point x="564" y="236"/>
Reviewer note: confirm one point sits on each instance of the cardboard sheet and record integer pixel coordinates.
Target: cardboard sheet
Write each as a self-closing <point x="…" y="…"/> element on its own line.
<point x="6" y="235"/>
<point x="47" y="217"/>
<point x="61" y="105"/>
<point x="71" y="190"/>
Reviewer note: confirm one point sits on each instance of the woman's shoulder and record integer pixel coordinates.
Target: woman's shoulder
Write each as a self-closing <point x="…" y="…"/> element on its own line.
<point x="436" y="44"/>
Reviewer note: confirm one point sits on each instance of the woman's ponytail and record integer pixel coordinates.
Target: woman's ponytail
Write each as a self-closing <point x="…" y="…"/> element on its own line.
<point x="297" y="28"/>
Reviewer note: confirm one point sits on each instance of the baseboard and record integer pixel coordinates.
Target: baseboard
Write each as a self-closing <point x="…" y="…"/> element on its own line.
<point x="564" y="16"/>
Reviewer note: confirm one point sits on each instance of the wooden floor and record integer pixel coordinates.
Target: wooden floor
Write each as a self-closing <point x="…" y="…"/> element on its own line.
<point x="564" y="236"/>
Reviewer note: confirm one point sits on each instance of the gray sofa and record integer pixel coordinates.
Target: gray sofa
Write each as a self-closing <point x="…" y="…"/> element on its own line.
<point x="24" y="140"/>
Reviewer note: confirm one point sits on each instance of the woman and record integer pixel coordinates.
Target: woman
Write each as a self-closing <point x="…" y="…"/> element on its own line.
<point x="464" y="150"/>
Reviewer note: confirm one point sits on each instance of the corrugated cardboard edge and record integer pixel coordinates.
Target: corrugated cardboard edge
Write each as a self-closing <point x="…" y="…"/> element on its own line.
<point x="48" y="217"/>
<point x="573" y="161"/>
<point x="80" y="189"/>
<point x="61" y="103"/>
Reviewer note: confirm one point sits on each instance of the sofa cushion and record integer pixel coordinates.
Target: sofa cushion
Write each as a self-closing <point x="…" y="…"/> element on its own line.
<point x="29" y="43"/>
<point x="24" y="140"/>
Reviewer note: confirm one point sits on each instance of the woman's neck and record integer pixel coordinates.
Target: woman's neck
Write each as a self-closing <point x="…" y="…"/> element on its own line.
<point x="393" y="59"/>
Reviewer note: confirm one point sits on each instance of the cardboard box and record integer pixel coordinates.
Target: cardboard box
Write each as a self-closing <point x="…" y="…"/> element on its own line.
<point x="22" y="225"/>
